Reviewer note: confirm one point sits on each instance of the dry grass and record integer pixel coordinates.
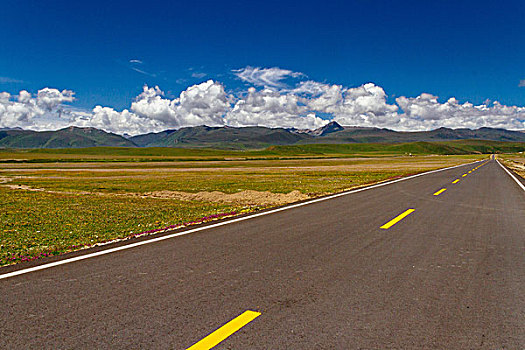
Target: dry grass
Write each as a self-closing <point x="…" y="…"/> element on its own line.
<point x="516" y="162"/>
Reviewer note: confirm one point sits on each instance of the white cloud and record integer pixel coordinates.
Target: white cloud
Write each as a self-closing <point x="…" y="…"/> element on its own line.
<point x="7" y="80"/>
<point x="138" y="66"/>
<point x="5" y="97"/>
<point x="363" y="106"/>
<point x="25" y="110"/>
<point x="24" y="96"/>
<point x="425" y="112"/>
<point x="201" y="104"/>
<point x="15" y="114"/>
<point x="198" y="75"/>
<point x="366" y="106"/>
<point x="321" y="97"/>
<point x="275" y="105"/>
<point x="272" y="109"/>
<point x="267" y="77"/>
<point x="143" y="72"/>
<point x="109" y="120"/>
<point x="50" y="98"/>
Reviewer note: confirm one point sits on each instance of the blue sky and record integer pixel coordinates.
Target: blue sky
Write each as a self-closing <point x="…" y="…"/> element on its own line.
<point x="106" y="51"/>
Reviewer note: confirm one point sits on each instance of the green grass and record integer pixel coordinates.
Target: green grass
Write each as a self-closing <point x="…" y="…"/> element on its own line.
<point x="417" y="148"/>
<point x="34" y="223"/>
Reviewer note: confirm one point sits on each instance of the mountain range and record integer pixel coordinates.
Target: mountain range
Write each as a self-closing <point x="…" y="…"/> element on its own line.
<point x="71" y="137"/>
<point x="242" y="138"/>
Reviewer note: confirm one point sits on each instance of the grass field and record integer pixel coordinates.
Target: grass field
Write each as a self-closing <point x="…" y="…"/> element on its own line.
<point x="68" y="201"/>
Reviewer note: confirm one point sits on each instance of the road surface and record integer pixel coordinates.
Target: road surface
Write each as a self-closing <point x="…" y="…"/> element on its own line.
<point x="425" y="263"/>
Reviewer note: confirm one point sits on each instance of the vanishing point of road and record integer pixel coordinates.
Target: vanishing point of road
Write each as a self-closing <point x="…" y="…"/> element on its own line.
<point x="434" y="261"/>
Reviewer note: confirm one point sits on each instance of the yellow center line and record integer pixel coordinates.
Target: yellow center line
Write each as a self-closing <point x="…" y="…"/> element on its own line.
<point x="440" y="191"/>
<point x="463" y="175"/>
<point x="455" y="181"/>
<point x="397" y="219"/>
<point x="225" y="331"/>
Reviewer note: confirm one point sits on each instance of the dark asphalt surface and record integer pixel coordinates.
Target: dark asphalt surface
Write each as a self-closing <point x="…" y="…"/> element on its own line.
<point x="324" y="276"/>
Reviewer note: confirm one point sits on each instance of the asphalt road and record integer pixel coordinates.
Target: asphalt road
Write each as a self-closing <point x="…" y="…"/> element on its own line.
<point x="450" y="275"/>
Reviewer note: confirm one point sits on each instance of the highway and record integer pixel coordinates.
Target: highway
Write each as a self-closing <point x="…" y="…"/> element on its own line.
<point x="432" y="262"/>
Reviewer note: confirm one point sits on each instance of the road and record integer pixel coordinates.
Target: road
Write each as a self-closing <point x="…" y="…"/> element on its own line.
<point x="448" y="275"/>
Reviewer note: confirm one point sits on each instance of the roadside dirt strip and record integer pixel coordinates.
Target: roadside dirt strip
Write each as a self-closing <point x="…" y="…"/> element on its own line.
<point x="435" y="261"/>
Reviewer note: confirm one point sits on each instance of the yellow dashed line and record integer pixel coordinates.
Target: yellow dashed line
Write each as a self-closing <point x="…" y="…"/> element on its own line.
<point x="225" y="331"/>
<point x="397" y="219"/>
<point x="440" y="191"/>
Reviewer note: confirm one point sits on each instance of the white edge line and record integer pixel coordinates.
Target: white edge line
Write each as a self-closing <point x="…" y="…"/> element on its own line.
<point x="158" y="239"/>
<point x="508" y="172"/>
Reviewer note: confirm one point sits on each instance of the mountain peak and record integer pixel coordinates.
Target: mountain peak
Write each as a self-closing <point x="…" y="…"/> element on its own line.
<point x="329" y="128"/>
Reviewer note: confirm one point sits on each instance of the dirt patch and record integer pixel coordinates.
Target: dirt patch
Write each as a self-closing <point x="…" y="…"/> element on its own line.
<point x="26" y="188"/>
<point x="4" y="180"/>
<point x="33" y="189"/>
<point x="247" y="197"/>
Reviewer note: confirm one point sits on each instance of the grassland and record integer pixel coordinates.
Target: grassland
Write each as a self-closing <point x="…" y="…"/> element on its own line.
<point x="54" y="201"/>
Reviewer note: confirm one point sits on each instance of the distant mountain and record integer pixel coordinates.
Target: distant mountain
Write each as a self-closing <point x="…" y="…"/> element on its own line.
<point x="9" y="129"/>
<point x="222" y="137"/>
<point x="322" y="131"/>
<point x="150" y="138"/>
<point x="244" y="138"/>
<point x="367" y="135"/>
<point x="360" y="135"/>
<point x="327" y="129"/>
<point x="71" y="137"/>
<point x="481" y="133"/>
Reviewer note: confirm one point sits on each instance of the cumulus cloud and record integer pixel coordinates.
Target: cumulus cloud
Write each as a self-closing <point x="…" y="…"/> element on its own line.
<point x="365" y="105"/>
<point x="306" y="104"/>
<point x="24" y="110"/>
<point x="201" y="104"/>
<point x="425" y="112"/>
<point x="272" y="109"/>
<point x="110" y="120"/>
<point x="266" y="77"/>
<point x="50" y="98"/>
